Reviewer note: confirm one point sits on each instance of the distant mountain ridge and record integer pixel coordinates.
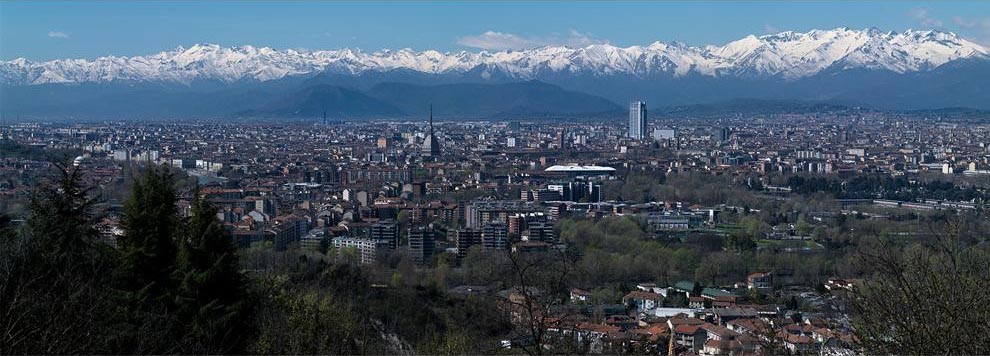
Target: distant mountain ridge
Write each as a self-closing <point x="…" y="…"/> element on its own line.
<point x="910" y="70"/>
<point x="787" y="55"/>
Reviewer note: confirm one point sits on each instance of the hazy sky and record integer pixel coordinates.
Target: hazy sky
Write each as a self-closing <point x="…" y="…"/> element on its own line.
<point x="79" y="29"/>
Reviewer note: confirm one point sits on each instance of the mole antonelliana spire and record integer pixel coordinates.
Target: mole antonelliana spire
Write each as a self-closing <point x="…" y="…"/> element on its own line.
<point x="431" y="148"/>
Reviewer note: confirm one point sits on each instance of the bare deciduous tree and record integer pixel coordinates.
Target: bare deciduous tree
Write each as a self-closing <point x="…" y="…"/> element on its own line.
<point x="925" y="299"/>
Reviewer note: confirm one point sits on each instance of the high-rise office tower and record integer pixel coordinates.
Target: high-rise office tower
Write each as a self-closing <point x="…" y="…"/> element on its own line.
<point x="637" y="120"/>
<point x="722" y="134"/>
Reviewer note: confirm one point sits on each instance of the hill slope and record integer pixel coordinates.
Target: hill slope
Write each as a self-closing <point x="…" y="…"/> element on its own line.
<point x="491" y="100"/>
<point x="316" y="100"/>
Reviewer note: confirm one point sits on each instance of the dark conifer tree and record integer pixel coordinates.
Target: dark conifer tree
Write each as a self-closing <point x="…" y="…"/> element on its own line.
<point x="151" y="224"/>
<point x="145" y="274"/>
<point x="62" y="223"/>
<point x="212" y="298"/>
<point x="54" y="275"/>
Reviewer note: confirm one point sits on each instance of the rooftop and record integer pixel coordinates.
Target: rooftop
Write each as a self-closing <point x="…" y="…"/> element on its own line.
<point x="579" y="169"/>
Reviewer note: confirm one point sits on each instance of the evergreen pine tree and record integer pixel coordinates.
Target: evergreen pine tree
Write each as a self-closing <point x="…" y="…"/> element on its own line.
<point x="53" y="276"/>
<point x="144" y="277"/>
<point x="62" y="223"/>
<point x="212" y="298"/>
<point x="150" y="223"/>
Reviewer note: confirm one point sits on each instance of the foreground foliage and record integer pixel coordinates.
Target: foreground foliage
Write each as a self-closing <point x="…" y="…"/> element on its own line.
<point x="176" y="284"/>
<point x="925" y="299"/>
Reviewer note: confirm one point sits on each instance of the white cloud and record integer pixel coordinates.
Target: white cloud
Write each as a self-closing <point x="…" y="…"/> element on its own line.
<point x="977" y="28"/>
<point x="921" y="15"/>
<point x="770" y="29"/>
<point x="58" y="34"/>
<point x="978" y="24"/>
<point x="501" y="41"/>
<point x="964" y="23"/>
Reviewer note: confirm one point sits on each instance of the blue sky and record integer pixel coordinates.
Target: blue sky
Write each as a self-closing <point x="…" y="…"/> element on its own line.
<point x="47" y="30"/>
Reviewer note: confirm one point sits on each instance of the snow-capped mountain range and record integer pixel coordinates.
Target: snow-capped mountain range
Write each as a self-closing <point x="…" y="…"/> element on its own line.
<point x="787" y="56"/>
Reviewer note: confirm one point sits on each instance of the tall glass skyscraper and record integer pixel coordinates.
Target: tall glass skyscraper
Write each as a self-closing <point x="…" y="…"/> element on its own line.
<point x="637" y="120"/>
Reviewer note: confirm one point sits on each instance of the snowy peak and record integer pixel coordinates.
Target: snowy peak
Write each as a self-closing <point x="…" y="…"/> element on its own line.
<point x="786" y="55"/>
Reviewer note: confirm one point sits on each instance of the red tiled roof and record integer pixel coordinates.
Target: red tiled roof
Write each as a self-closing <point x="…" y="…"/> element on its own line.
<point x="686" y="329"/>
<point x="723" y="344"/>
<point x="719" y="330"/>
<point x="598" y="328"/>
<point x="658" y="329"/>
<point x="755" y="275"/>
<point x="794" y="339"/>
<point x="681" y="319"/>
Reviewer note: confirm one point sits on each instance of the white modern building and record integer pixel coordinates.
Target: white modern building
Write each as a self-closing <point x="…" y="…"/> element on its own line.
<point x="637" y="120"/>
<point x="664" y="134"/>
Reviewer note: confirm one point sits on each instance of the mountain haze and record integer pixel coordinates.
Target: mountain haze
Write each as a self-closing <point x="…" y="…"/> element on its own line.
<point x="316" y="100"/>
<point x="484" y="100"/>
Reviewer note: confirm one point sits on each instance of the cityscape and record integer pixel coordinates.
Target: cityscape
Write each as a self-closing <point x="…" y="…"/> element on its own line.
<point x="404" y="212"/>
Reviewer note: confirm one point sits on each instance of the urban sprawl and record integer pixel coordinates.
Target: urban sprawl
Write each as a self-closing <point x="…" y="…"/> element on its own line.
<point x="415" y="197"/>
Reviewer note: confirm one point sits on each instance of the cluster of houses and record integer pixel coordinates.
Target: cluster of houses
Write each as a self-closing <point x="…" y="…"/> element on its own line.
<point x="715" y="322"/>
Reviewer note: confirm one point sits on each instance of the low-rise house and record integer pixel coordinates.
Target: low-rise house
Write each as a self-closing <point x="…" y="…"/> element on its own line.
<point x="796" y="343"/>
<point x="643" y="300"/>
<point x="721" y="347"/>
<point x="760" y="281"/>
<point x="686" y="287"/>
<point x="687" y="331"/>
<point x="748" y="326"/>
<point x="657" y="331"/>
<point x="724" y="302"/>
<point x="624" y="322"/>
<point x="690" y="336"/>
<point x="594" y="335"/>
<point x="725" y="315"/>
<point x="834" y="284"/>
<point x="823" y="335"/>
<point x="580" y="295"/>
<point x="718" y="332"/>
<point x="715" y="293"/>
<point x="749" y="344"/>
<point x="647" y="287"/>
<point x="767" y="311"/>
